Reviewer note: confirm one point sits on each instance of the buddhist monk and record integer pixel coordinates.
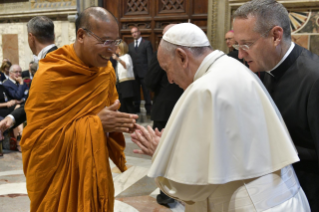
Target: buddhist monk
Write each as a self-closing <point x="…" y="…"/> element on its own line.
<point x="73" y="123"/>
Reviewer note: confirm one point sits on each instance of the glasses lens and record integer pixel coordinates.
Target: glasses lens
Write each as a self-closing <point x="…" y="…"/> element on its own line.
<point x="245" y="47"/>
<point x="236" y="47"/>
<point x="117" y="42"/>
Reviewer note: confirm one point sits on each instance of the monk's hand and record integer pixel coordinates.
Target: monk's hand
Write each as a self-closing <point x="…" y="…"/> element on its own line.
<point x="5" y="124"/>
<point x="146" y="139"/>
<point x="115" y="121"/>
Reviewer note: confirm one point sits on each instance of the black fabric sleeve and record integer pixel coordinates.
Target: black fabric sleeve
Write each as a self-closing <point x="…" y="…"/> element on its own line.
<point x="313" y="114"/>
<point x="149" y="50"/>
<point x="19" y="116"/>
<point x="154" y="74"/>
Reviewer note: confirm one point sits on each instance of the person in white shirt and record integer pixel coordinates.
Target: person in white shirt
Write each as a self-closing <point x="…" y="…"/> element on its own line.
<point x="125" y="78"/>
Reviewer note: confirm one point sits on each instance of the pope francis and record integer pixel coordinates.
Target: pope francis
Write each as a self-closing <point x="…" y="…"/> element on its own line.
<point x="225" y="146"/>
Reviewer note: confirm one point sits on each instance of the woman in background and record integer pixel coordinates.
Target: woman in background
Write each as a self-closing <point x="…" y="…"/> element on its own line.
<point x="125" y="78"/>
<point x="5" y="70"/>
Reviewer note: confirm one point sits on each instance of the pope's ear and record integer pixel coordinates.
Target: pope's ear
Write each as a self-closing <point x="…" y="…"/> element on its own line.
<point x="80" y="35"/>
<point x="181" y="56"/>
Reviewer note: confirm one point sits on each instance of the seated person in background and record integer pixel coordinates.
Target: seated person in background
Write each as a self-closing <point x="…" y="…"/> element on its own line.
<point x="5" y="70"/>
<point x="27" y="73"/>
<point x="6" y="107"/>
<point x="125" y="78"/>
<point x="33" y="69"/>
<point x="15" y="86"/>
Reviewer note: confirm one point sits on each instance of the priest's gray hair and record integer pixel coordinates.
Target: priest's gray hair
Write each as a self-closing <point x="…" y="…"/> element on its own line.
<point x="268" y="13"/>
<point x="195" y="51"/>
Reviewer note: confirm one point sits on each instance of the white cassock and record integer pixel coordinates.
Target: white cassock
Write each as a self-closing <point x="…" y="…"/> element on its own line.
<point x="226" y="147"/>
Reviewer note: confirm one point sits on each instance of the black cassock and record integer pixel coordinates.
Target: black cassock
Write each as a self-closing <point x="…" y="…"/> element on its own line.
<point x="294" y="88"/>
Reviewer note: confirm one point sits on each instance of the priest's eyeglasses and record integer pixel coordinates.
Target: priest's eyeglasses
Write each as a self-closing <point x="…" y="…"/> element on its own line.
<point x="246" y="47"/>
<point x="104" y="42"/>
<point x="243" y="47"/>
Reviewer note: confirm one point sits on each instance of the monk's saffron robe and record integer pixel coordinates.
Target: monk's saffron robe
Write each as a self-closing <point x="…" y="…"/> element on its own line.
<point x="65" y="150"/>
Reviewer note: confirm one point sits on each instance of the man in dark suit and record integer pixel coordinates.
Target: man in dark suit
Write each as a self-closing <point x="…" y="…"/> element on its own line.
<point x="41" y="41"/>
<point x="141" y="52"/>
<point x="262" y="30"/>
<point x="27" y="73"/>
<point x="15" y="86"/>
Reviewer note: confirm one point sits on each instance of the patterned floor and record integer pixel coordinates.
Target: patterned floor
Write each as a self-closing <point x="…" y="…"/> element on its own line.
<point x="134" y="191"/>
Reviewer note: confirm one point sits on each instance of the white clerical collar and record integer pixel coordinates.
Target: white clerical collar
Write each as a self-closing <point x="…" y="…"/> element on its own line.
<point x="12" y="80"/>
<point x="138" y="41"/>
<point x="208" y="60"/>
<point x="283" y="59"/>
<point x="44" y="51"/>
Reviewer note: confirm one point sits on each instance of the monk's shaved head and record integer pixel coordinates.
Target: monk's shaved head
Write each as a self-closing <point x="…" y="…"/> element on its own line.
<point x="93" y="13"/>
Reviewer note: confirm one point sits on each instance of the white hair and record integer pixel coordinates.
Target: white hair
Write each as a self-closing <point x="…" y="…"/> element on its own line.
<point x="11" y="69"/>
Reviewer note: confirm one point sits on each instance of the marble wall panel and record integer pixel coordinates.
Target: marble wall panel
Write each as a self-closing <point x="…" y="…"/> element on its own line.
<point x="301" y="40"/>
<point x="314" y="44"/>
<point x="25" y="54"/>
<point x="312" y="25"/>
<point x="10" y="48"/>
<point x="308" y="35"/>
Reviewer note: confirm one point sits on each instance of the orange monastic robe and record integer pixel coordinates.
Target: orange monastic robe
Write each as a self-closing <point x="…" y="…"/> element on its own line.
<point x="65" y="151"/>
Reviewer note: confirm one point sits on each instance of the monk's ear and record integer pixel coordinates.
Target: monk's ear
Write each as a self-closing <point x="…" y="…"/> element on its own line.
<point x="277" y="33"/>
<point x="181" y="56"/>
<point x="80" y="34"/>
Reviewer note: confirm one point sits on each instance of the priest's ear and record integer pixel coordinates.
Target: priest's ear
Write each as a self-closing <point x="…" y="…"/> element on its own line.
<point x="181" y="57"/>
<point x="277" y="35"/>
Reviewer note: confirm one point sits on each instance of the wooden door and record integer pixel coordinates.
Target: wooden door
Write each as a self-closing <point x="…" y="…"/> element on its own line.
<point x="151" y="16"/>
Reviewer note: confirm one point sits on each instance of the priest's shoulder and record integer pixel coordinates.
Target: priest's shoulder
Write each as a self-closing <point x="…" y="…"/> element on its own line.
<point x="308" y="63"/>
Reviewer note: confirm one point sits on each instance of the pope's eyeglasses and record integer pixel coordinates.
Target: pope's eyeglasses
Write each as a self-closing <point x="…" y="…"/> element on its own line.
<point x="104" y="42"/>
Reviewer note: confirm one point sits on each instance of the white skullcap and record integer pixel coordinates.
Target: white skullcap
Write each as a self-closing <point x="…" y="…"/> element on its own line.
<point x="186" y="34"/>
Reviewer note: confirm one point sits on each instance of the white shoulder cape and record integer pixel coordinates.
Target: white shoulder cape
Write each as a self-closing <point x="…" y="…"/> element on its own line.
<point x="225" y="127"/>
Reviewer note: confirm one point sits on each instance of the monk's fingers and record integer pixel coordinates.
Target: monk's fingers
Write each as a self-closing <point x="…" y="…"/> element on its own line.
<point x="125" y="115"/>
<point x="115" y="106"/>
<point x="124" y="124"/>
<point x="121" y="129"/>
<point x="131" y="130"/>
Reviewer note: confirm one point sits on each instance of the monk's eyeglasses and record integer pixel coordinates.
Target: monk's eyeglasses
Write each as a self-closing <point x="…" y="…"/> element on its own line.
<point x="104" y="42"/>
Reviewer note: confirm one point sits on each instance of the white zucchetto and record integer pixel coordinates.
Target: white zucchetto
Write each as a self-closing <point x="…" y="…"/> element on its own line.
<point x="186" y="34"/>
